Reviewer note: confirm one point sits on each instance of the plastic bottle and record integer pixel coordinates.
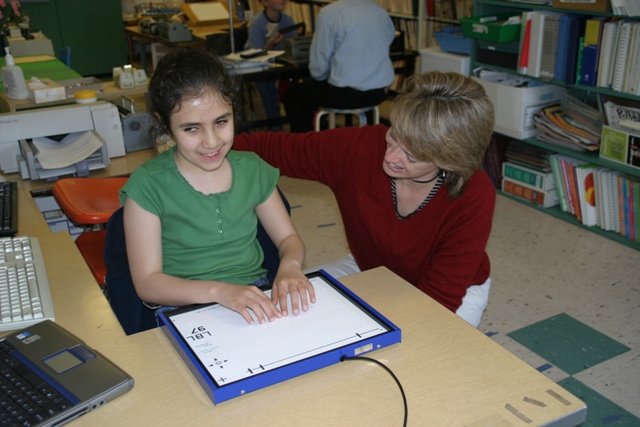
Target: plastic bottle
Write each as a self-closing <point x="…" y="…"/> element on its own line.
<point x="13" y="78"/>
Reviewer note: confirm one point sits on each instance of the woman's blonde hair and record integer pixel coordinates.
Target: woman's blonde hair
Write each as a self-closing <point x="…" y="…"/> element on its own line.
<point x="446" y="119"/>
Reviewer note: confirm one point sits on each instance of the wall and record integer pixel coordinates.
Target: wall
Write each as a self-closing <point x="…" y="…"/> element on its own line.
<point x="93" y="29"/>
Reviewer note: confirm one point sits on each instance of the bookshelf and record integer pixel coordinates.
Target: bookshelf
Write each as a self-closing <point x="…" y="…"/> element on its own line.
<point x="405" y="15"/>
<point x="417" y="18"/>
<point x="490" y="7"/>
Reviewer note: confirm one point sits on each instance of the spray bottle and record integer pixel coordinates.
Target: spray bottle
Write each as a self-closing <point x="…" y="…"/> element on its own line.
<point x="13" y="78"/>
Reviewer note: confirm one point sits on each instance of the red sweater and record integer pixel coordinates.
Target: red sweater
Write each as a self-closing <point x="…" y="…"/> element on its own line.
<point x="440" y="250"/>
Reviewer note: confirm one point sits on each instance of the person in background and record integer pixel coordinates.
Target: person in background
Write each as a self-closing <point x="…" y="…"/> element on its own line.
<point x="191" y="213"/>
<point x="264" y="34"/>
<point x="412" y="196"/>
<point x="348" y="61"/>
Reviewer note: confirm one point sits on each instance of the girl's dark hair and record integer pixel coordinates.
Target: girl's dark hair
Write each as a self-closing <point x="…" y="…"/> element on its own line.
<point x="185" y="73"/>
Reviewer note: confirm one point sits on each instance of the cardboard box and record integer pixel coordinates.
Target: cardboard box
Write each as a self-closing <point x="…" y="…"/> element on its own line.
<point x="39" y="45"/>
<point x="620" y="145"/>
<point x="586" y="5"/>
<point x="516" y="106"/>
<point x="52" y="91"/>
<point x="208" y="13"/>
<point x="434" y="59"/>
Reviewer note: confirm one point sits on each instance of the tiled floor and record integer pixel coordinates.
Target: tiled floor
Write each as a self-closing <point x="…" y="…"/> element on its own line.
<point x="565" y="300"/>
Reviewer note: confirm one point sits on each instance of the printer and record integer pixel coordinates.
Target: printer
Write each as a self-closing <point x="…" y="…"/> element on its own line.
<point x="173" y="31"/>
<point x="296" y="50"/>
<point x="135" y="125"/>
<point x="98" y="121"/>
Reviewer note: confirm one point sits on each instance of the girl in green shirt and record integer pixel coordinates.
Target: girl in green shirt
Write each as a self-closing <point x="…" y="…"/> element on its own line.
<point x="191" y="213"/>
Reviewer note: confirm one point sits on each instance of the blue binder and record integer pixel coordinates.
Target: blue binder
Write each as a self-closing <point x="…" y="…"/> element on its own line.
<point x="229" y="357"/>
<point x="576" y="31"/>
<point x="563" y="47"/>
<point x="589" y="68"/>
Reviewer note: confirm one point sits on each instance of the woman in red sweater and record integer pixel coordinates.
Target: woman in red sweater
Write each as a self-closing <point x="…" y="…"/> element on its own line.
<point x="412" y="196"/>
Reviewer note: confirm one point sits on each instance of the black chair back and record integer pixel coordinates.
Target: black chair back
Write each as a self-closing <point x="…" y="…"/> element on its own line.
<point x="220" y="43"/>
<point x="125" y="303"/>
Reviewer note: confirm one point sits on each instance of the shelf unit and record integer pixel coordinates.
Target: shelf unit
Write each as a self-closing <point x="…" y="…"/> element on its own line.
<point x="395" y="10"/>
<point x="489" y="7"/>
<point x="413" y="12"/>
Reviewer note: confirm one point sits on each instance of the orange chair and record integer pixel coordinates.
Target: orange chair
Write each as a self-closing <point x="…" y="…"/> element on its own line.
<point x="90" y="202"/>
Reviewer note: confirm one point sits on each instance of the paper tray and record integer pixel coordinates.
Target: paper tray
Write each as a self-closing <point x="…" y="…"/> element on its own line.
<point x="476" y="27"/>
<point x="86" y="83"/>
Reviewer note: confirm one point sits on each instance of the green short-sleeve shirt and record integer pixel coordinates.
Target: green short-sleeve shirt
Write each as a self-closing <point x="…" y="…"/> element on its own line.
<point x="208" y="237"/>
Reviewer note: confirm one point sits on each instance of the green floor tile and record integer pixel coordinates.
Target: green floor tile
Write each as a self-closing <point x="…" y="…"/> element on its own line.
<point x="567" y="343"/>
<point x="600" y="410"/>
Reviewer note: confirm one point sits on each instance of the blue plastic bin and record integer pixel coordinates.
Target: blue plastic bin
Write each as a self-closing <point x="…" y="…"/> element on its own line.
<point x="451" y="40"/>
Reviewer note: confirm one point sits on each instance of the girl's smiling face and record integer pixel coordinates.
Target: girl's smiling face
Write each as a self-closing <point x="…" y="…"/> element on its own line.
<point x="203" y="130"/>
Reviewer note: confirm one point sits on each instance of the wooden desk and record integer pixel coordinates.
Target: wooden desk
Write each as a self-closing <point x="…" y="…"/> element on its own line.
<point x="42" y="66"/>
<point x="56" y="70"/>
<point x="110" y="91"/>
<point x="199" y="33"/>
<point x="135" y="36"/>
<point x="452" y="374"/>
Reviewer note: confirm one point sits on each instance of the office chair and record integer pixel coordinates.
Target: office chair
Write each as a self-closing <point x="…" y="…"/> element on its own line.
<point x="90" y="202"/>
<point x="64" y="55"/>
<point x="133" y="316"/>
<point x="361" y="113"/>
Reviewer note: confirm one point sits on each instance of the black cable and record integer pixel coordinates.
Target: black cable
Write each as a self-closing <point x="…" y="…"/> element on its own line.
<point x="404" y="397"/>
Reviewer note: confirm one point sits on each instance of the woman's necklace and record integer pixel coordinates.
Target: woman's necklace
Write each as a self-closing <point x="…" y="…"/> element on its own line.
<point x="440" y="173"/>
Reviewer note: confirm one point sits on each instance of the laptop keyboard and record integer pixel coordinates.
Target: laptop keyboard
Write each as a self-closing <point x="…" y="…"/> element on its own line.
<point x="25" y="399"/>
<point x="25" y="297"/>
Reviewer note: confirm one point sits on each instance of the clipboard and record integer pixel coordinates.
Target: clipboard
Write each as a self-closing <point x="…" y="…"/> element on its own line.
<point x="230" y="358"/>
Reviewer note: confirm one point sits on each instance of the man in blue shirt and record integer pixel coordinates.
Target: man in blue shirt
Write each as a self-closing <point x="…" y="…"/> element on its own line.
<point x="348" y="60"/>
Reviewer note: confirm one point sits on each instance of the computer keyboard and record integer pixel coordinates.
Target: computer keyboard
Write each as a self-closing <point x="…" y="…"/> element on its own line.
<point x="25" y="297"/>
<point x="8" y="208"/>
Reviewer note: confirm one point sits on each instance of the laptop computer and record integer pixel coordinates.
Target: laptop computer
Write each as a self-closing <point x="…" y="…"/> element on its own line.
<point x="230" y="358"/>
<point x="49" y="377"/>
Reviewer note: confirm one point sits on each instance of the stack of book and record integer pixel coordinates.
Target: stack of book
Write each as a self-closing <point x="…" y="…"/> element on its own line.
<point x="619" y="61"/>
<point x="532" y="185"/>
<point x="528" y="156"/>
<point x="527" y="174"/>
<point x="625" y="7"/>
<point x="590" y="51"/>
<point x="598" y="196"/>
<point x="556" y="127"/>
<point x="494" y="158"/>
<point x="250" y="60"/>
